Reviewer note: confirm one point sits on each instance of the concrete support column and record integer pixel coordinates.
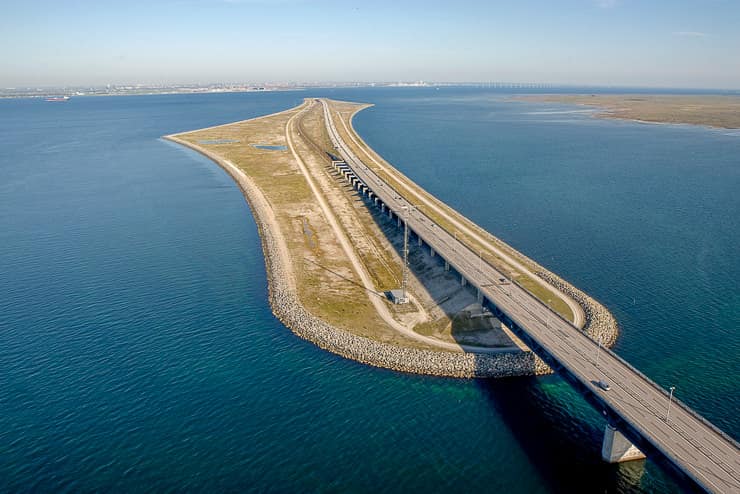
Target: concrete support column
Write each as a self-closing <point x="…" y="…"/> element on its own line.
<point x="616" y="448"/>
<point x="382" y="207"/>
<point x="447" y="266"/>
<point x="399" y="222"/>
<point x="390" y="213"/>
<point x="420" y="241"/>
<point x="431" y="252"/>
<point x="463" y="281"/>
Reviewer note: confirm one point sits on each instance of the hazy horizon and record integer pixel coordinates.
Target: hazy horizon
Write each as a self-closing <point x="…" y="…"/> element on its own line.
<point x="618" y="43"/>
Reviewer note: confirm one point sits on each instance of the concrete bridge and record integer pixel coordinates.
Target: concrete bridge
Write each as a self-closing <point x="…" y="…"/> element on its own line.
<point x="641" y="416"/>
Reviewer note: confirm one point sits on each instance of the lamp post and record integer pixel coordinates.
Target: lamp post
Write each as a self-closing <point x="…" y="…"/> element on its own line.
<point x="670" y="399"/>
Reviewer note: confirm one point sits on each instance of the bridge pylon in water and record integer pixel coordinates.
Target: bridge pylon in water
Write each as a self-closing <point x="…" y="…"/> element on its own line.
<point x="616" y="448"/>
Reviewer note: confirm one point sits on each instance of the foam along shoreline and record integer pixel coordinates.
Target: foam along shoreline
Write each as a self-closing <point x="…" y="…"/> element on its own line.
<point x="287" y="307"/>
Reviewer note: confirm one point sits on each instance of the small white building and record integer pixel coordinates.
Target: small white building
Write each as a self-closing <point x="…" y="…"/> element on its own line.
<point x="397" y="297"/>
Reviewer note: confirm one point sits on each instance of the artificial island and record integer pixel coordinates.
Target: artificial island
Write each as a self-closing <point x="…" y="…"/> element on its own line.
<point x="365" y="263"/>
<point x="345" y="273"/>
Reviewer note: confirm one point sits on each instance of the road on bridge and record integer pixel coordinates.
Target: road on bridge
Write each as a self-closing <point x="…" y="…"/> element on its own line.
<point x="685" y="440"/>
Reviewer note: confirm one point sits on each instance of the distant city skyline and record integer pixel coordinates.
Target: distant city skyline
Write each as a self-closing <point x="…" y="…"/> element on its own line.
<point x="661" y="43"/>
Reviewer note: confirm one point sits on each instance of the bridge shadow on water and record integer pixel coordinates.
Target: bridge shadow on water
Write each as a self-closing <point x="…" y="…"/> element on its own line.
<point x="558" y="431"/>
<point x="561" y="435"/>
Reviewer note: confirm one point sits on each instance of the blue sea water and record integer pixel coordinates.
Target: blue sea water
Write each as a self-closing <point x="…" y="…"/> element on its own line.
<point x="138" y="351"/>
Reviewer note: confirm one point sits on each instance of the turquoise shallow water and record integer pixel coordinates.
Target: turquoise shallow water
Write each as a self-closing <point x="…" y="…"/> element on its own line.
<point x="138" y="352"/>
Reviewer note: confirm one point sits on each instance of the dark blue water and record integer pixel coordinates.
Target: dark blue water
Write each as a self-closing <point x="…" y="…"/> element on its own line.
<point x="138" y="352"/>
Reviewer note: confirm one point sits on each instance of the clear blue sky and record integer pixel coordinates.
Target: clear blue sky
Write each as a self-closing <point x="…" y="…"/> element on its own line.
<point x="670" y="43"/>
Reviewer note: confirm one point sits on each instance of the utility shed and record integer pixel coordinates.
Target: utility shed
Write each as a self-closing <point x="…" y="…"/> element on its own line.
<point x="396" y="296"/>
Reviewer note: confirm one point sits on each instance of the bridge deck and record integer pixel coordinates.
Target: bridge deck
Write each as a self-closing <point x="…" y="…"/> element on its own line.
<point x="686" y="441"/>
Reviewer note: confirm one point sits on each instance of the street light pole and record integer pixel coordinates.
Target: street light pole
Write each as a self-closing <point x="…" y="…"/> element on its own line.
<point x="670" y="399"/>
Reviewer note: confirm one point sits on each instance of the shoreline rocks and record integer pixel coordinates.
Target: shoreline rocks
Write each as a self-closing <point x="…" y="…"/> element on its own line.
<point x="599" y="321"/>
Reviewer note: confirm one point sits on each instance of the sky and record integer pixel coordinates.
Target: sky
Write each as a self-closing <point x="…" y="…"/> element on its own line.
<point x="650" y="43"/>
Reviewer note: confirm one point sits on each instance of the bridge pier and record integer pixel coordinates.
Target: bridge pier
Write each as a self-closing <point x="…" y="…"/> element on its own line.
<point x="431" y="252"/>
<point x="447" y="266"/>
<point x="616" y="448"/>
<point x="419" y="241"/>
<point x="463" y="281"/>
<point x="479" y="296"/>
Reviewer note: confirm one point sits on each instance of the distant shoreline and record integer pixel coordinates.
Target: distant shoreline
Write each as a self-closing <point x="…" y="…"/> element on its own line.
<point x="713" y="111"/>
<point x="41" y="96"/>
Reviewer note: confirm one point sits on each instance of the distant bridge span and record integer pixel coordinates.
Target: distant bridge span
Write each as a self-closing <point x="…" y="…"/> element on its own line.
<point x="635" y="407"/>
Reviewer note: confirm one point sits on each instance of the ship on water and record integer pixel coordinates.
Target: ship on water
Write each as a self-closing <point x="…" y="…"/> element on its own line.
<point x="57" y="98"/>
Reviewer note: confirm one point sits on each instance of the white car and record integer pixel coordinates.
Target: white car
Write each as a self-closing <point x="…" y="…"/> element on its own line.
<point x="603" y="385"/>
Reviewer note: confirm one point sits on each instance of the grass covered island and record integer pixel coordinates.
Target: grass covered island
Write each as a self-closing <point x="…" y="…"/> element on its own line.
<point x="331" y="256"/>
